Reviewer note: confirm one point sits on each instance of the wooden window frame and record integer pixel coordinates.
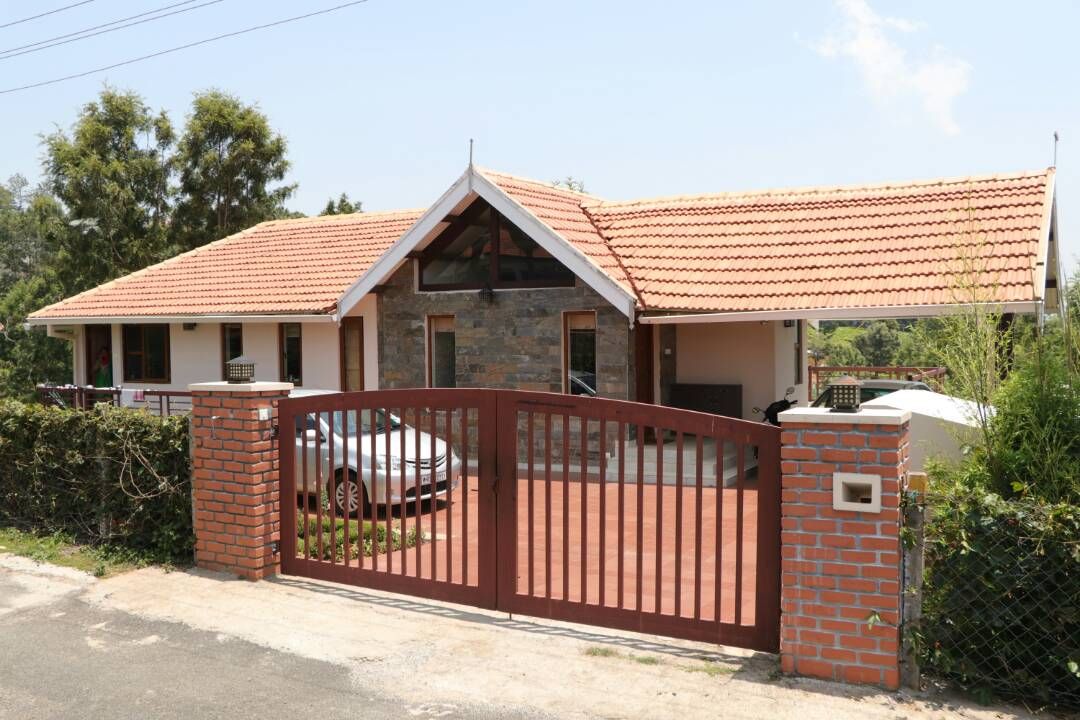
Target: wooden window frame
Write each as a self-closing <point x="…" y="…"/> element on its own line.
<point x="454" y="230"/>
<point x="359" y="321"/>
<point x="567" y="314"/>
<point x="224" y="359"/>
<point x="281" y="354"/>
<point x="142" y="354"/>
<point x="800" y="351"/>
<point x="430" y="349"/>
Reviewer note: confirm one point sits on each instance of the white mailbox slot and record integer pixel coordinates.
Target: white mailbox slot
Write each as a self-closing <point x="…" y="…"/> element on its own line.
<point x="857" y="492"/>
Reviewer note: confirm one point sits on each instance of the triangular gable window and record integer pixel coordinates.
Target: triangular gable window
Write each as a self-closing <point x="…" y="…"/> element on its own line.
<point x="482" y="249"/>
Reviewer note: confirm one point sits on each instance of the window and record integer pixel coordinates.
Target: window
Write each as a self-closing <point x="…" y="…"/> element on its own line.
<point x="146" y="353"/>
<point x="482" y="249"/>
<point x="442" y="352"/>
<point x="579" y="353"/>
<point x="291" y="349"/>
<point x="799" y="354"/>
<point x="232" y="344"/>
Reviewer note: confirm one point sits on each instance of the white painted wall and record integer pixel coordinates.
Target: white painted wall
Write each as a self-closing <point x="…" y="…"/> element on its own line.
<point x="321" y="356"/>
<point x="760" y="356"/>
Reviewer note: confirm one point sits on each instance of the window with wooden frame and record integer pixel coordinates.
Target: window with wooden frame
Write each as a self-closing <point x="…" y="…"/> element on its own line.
<point x="799" y="352"/>
<point x="146" y="353"/>
<point x="290" y="352"/>
<point x="441" y="352"/>
<point x="232" y="345"/>
<point x="579" y="353"/>
<point x="482" y="249"/>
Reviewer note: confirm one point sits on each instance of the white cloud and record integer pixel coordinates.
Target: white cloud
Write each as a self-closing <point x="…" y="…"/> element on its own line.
<point x="889" y="74"/>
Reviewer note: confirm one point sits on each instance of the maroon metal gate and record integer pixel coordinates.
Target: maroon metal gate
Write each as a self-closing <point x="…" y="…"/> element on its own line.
<point x="606" y="512"/>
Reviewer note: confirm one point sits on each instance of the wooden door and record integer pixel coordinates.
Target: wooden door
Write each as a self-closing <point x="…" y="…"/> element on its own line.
<point x="99" y="359"/>
<point x="352" y="354"/>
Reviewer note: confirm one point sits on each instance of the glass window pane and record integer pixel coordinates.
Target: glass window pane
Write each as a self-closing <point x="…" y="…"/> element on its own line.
<point x="234" y="341"/>
<point x="156" y="349"/>
<point x="522" y="260"/>
<point x="443" y="352"/>
<point x="581" y="353"/>
<point x="291" y="349"/>
<point x="133" y="352"/>
<point x="466" y="260"/>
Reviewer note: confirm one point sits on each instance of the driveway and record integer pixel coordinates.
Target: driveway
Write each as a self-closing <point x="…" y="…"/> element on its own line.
<point x="196" y="644"/>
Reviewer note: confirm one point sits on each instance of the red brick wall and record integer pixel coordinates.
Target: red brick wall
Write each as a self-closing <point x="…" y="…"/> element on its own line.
<point x="840" y="568"/>
<point x="235" y="482"/>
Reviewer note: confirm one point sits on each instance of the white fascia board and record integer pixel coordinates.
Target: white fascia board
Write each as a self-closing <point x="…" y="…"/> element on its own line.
<point x="860" y="313"/>
<point x="393" y="257"/>
<point x="1047" y="227"/>
<point x="473" y="182"/>
<point x="136" y="319"/>
<point x="558" y="246"/>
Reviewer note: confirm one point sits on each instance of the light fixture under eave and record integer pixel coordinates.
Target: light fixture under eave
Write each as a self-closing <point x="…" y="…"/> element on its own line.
<point x="487" y="295"/>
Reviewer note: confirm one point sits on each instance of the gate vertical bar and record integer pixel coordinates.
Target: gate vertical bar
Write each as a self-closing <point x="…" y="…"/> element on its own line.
<point x="767" y="592"/>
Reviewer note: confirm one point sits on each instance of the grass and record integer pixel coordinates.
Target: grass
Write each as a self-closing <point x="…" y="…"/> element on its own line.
<point x="712" y="669"/>
<point x="374" y="536"/>
<point x="61" y="549"/>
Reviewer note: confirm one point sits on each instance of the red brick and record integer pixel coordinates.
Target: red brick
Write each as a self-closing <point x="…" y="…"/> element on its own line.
<point x="838" y="598"/>
<point x="817" y="637"/>
<point x="844" y="541"/>
<point x="833" y="455"/>
<point x="857" y="642"/>
<point x="878" y="659"/>
<point x="789" y="452"/>
<point x="815" y="668"/>
<point x="853" y="440"/>
<point x="858" y="675"/>
<point x="818" y="438"/>
<point x="838" y="655"/>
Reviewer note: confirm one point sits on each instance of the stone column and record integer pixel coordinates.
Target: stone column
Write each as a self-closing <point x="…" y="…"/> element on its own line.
<point x="235" y="477"/>
<point x="843" y="474"/>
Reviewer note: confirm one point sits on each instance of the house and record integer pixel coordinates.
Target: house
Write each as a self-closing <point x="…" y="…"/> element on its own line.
<point x="697" y="301"/>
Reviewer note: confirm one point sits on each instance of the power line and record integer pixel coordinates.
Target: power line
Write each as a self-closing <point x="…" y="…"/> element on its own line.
<point x="84" y="34"/>
<point x="95" y="27"/>
<point x="180" y="47"/>
<point x="41" y="15"/>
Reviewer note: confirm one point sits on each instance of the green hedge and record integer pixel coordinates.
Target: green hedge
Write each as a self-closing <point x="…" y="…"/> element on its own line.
<point x="108" y="476"/>
<point x="1001" y="599"/>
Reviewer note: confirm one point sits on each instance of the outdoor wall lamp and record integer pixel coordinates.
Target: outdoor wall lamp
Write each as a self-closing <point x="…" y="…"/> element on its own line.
<point x="844" y="395"/>
<point x="487" y="295"/>
<point x="239" y="370"/>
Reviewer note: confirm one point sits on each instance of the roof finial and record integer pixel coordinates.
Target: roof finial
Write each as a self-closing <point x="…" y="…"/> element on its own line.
<point x="471" y="149"/>
<point x="1055" y="148"/>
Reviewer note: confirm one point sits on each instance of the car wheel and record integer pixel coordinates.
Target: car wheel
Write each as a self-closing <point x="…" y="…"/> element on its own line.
<point x="350" y="498"/>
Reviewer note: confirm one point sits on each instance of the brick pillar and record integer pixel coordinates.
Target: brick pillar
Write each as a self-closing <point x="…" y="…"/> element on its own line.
<point x="841" y="568"/>
<point x="234" y="479"/>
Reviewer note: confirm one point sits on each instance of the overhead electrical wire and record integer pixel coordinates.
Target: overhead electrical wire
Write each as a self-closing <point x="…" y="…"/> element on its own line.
<point x="7" y="54"/>
<point x="95" y="27"/>
<point x="178" y="48"/>
<point x="44" y="14"/>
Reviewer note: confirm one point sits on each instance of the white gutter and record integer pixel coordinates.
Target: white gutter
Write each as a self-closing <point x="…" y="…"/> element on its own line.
<point x="856" y="313"/>
<point x="119" y="320"/>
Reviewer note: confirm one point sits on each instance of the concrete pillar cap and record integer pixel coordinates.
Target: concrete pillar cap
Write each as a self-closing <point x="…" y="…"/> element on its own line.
<point x="865" y="416"/>
<point x="222" y="386"/>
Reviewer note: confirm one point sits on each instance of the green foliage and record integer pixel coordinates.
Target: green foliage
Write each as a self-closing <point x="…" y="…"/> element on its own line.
<point x="570" y="183"/>
<point x="836" y="347"/>
<point x="111" y="476"/>
<point x="227" y="158"/>
<point x="111" y="173"/>
<point x="27" y="355"/>
<point x="342" y="206"/>
<point x="879" y="342"/>
<point x="1001" y="597"/>
<point x="374" y="535"/>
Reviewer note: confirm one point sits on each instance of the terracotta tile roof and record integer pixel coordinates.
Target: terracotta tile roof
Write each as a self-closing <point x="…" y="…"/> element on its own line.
<point x="825" y="247"/>
<point x="299" y="266"/>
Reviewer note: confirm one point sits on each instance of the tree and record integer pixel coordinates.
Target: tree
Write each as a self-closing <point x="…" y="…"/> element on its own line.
<point x="112" y="175"/>
<point x="879" y="342"/>
<point x="27" y="355"/>
<point x="228" y="159"/>
<point x="343" y="206"/>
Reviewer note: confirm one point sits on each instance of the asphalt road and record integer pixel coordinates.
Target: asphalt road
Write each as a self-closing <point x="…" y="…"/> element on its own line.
<point x="61" y="657"/>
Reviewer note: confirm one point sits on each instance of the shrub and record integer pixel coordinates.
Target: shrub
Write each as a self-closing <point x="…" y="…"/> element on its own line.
<point x="374" y="535"/>
<point x="110" y="476"/>
<point x="1001" y="597"/>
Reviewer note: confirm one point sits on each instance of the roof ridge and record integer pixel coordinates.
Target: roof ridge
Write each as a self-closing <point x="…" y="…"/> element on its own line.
<point x="615" y="254"/>
<point x="822" y="190"/>
<point x="533" y="181"/>
<point x="338" y="217"/>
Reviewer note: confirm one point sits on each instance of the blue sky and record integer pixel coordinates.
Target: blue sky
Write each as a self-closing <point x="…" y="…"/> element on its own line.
<point x="635" y="98"/>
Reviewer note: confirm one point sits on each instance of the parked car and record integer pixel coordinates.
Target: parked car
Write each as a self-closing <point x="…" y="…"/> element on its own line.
<point x="429" y="475"/>
<point x="872" y="388"/>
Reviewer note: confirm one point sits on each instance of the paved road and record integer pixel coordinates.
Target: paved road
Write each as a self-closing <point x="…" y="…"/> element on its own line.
<point x="61" y="657"/>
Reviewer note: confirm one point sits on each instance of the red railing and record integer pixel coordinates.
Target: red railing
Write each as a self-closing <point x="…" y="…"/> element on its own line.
<point x="541" y="504"/>
<point x="158" y="402"/>
<point x="820" y="375"/>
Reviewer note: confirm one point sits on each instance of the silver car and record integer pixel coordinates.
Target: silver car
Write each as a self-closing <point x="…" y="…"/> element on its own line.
<point x="424" y="474"/>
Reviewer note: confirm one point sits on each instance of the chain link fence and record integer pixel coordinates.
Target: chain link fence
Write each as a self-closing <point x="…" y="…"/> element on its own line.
<point x="1001" y="599"/>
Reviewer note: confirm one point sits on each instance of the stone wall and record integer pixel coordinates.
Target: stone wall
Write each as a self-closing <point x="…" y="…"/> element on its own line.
<point x="514" y="342"/>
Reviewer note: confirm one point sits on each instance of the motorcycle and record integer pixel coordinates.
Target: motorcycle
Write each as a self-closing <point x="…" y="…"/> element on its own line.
<point x="774" y="409"/>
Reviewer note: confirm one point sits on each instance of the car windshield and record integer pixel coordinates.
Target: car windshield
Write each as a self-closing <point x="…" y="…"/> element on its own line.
<point x="382" y="419"/>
